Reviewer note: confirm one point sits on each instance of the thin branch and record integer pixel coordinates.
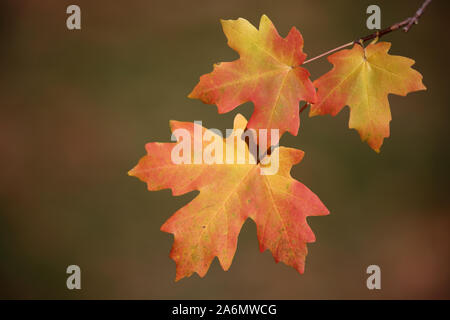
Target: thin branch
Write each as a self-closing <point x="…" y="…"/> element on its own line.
<point x="406" y="24"/>
<point x="415" y="19"/>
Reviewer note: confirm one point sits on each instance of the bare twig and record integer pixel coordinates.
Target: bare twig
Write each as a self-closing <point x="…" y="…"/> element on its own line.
<point x="415" y="19"/>
<point x="406" y="24"/>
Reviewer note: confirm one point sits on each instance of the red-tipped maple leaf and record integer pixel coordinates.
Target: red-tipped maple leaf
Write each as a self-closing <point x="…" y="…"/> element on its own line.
<point x="268" y="74"/>
<point x="362" y="79"/>
<point x="209" y="225"/>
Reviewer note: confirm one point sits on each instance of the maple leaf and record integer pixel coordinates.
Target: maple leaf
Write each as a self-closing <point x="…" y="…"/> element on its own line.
<point x="268" y="73"/>
<point x="209" y="225"/>
<point x="362" y="79"/>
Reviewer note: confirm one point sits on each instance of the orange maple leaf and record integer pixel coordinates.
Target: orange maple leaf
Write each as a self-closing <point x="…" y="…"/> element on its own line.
<point x="362" y="79"/>
<point x="268" y="74"/>
<point x="229" y="194"/>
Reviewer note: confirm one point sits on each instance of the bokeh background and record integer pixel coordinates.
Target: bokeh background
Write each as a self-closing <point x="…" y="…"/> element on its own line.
<point x="77" y="108"/>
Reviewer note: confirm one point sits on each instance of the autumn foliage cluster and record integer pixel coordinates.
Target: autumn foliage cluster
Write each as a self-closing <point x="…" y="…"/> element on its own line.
<point x="269" y="73"/>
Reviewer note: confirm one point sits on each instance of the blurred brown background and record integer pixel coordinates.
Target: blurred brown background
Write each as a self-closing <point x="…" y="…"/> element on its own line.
<point x="77" y="108"/>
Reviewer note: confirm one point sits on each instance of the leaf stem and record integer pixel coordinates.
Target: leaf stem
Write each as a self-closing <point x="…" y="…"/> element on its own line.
<point x="329" y="52"/>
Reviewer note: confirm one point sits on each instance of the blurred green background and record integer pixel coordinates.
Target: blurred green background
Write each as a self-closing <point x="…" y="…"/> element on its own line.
<point x="77" y="108"/>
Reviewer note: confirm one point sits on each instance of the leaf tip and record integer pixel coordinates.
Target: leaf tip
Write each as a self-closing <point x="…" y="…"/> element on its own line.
<point x="191" y="95"/>
<point x="172" y="124"/>
<point x="422" y="86"/>
<point x="374" y="146"/>
<point x="224" y="22"/>
<point x="178" y="277"/>
<point x="301" y="269"/>
<point x="132" y="172"/>
<point x="264" y="17"/>
<point x="313" y="111"/>
<point x="240" y="122"/>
